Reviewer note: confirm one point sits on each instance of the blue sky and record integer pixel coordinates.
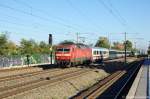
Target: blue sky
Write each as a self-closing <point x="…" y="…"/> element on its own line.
<point x="64" y="18"/>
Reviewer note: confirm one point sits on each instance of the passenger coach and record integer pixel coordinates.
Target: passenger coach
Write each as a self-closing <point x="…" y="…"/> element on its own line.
<point x="99" y="54"/>
<point x="118" y="54"/>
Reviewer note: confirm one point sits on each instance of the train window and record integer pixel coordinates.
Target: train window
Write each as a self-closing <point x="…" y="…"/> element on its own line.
<point x="104" y="52"/>
<point x="66" y="50"/>
<point x="60" y="49"/>
<point x="99" y="52"/>
<point x="94" y="52"/>
<point x="113" y="52"/>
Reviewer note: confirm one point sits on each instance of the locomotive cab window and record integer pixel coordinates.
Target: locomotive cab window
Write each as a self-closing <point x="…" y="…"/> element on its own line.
<point x="59" y="49"/>
<point x="66" y="50"/>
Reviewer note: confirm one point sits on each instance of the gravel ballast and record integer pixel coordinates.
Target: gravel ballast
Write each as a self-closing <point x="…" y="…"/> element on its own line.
<point x="63" y="89"/>
<point x="70" y="87"/>
<point x="17" y="72"/>
<point x="51" y="73"/>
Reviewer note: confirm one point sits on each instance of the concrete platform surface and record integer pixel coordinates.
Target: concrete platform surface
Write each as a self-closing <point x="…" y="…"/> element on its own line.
<point x="141" y="86"/>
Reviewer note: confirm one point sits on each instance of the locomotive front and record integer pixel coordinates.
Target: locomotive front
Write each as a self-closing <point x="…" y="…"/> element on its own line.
<point x="63" y="55"/>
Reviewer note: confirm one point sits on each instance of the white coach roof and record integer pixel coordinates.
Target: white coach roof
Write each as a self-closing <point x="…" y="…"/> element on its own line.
<point x="100" y="48"/>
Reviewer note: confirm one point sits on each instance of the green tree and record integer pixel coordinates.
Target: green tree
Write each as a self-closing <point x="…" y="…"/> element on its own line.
<point x="102" y="42"/>
<point x="31" y="47"/>
<point x="11" y="48"/>
<point x="28" y="47"/>
<point x="128" y="45"/>
<point x="7" y="47"/>
<point x="44" y="48"/>
<point x="3" y="42"/>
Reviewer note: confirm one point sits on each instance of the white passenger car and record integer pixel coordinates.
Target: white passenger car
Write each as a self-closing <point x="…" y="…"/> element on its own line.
<point x="118" y="54"/>
<point x="99" y="54"/>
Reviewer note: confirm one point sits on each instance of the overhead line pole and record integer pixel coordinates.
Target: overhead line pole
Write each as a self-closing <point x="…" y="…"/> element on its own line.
<point x="149" y="50"/>
<point x="77" y="37"/>
<point x="135" y="44"/>
<point x="125" y="47"/>
<point x="135" y="49"/>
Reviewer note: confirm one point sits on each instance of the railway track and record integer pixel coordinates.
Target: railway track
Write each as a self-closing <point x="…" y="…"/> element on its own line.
<point x="22" y="87"/>
<point x="99" y="88"/>
<point x="16" y="89"/>
<point x="29" y="74"/>
<point x="23" y="75"/>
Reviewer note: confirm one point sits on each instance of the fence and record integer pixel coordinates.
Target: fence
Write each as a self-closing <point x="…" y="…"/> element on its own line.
<point x="22" y="60"/>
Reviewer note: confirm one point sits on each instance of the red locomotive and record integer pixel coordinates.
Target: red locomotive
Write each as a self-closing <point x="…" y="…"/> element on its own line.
<point x="73" y="54"/>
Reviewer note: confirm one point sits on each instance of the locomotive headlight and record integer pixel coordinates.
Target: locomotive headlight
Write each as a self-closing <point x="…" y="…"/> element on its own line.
<point x="59" y="54"/>
<point x="63" y="54"/>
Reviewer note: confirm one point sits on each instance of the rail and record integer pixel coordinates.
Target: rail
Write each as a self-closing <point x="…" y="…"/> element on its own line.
<point x="100" y="87"/>
<point x="16" y="89"/>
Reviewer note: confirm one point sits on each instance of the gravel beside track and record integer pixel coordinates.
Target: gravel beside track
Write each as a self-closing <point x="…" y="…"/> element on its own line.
<point x="64" y="89"/>
<point x="14" y="69"/>
<point x="10" y="72"/>
<point x="13" y="90"/>
<point x="29" y="77"/>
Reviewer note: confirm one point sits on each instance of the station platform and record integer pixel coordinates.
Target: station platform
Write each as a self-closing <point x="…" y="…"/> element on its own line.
<point x="141" y="86"/>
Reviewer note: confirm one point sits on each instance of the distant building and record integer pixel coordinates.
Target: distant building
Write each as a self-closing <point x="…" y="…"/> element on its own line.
<point x="120" y="46"/>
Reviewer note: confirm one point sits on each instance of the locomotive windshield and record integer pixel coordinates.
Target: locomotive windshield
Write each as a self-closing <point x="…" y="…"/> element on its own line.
<point x="60" y="49"/>
<point x="66" y="50"/>
<point x="63" y="50"/>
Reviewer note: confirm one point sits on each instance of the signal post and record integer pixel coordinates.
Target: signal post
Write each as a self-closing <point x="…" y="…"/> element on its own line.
<point x="51" y="49"/>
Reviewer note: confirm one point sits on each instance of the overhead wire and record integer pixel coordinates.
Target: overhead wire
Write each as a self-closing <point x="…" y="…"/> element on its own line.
<point x="112" y="13"/>
<point x="20" y="25"/>
<point x="117" y="12"/>
<point x="43" y="26"/>
<point x="14" y="27"/>
<point x="36" y="16"/>
<point x="45" y="13"/>
<point x="81" y="13"/>
<point x="28" y="13"/>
